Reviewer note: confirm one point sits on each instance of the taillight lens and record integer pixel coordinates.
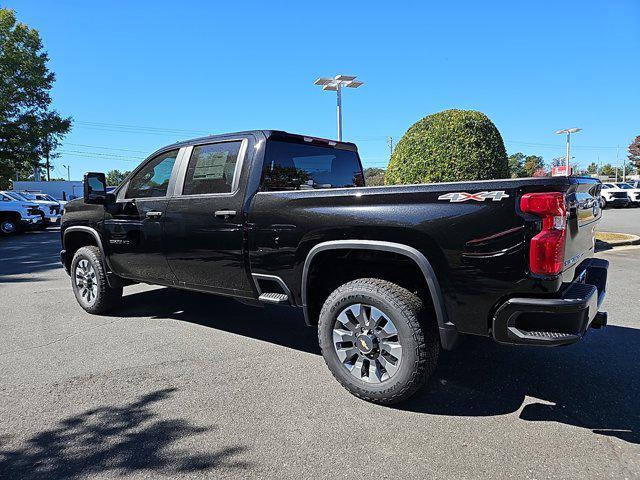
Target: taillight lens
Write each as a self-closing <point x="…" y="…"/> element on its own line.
<point x="546" y="251"/>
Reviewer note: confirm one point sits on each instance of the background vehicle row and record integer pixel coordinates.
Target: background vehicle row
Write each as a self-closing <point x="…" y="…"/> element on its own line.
<point x="23" y="210"/>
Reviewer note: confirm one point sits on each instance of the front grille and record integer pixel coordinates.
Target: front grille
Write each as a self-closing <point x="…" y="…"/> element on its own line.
<point x="33" y="211"/>
<point x="619" y="194"/>
<point x="54" y="209"/>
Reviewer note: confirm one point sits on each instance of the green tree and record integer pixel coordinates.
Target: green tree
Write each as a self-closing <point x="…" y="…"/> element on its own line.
<point x="607" y="170"/>
<point x="30" y="130"/>
<point x="592" y="168"/>
<point x="516" y="165"/>
<point x="449" y="146"/>
<point x="533" y="166"/>
<point x="374" y="176"/>
<point x="631" y="169"/>
<point x="115" y="177"/>
<point x="634" y="152"/>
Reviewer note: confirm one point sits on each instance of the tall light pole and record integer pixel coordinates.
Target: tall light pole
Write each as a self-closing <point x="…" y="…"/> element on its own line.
<point x="568" y="131"/>
<point x="335" y="84"/>
<point x="68" y="172"/>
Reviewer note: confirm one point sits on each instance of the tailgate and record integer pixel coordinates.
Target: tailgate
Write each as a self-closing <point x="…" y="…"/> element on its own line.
<point x="583" y="214"/>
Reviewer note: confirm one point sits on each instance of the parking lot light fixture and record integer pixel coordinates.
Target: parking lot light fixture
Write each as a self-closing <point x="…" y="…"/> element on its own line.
<point x="336" y="84"/>
<point x="568" y="132"/>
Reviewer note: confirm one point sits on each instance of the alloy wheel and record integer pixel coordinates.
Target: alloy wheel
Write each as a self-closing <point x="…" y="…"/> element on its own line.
<point x="8" y="227"/>
<point x="86" y="281"/>
<point x="365" y="340"/>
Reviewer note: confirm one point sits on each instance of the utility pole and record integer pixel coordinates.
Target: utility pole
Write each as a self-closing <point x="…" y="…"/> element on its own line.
<point x="46" y="156"/>
<point x="624" y="164"/>
<point x="68" y="172"/>
<point x="390" y="143"/>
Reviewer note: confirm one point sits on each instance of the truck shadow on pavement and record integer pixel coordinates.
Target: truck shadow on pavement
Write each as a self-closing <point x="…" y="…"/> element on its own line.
<point x="118" y="439"/>
<point x="274" y="324"/>
<point x="594" y="384"/>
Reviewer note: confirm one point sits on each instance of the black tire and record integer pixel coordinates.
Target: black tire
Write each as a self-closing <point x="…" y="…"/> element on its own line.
<point x="102" y="298"/>
<point x="603" y="203"/>
<point x="417" y="334"/>
<point x="10" y="226"/>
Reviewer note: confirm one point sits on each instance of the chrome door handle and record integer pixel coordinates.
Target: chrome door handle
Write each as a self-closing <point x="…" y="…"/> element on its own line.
<point x="225" y="213"/>
<point x="154" y="214"/>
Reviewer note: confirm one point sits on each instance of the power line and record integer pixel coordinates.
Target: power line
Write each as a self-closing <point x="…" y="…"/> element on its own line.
<point x="97" y="156"/>
<point x="140" y="127"/>
<point x="106" y="148"/>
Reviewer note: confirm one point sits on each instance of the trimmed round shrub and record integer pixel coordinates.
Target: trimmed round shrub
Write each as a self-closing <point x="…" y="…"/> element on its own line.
<point x="449" y="146"/>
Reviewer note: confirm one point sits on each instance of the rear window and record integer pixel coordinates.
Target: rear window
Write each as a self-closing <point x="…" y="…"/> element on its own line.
<point x="296" y="166"/>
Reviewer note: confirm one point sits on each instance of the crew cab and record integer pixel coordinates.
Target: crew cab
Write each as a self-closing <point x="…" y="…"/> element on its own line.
<point x="388" y="275"/>
<point x="16" y="215"/>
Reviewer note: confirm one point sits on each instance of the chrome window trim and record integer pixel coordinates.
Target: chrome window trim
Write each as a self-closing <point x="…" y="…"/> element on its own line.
<point x="235" y="183"/>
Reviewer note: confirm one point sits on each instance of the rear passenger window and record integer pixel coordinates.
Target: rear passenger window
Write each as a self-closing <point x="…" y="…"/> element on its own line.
<point x="211" y="168"/>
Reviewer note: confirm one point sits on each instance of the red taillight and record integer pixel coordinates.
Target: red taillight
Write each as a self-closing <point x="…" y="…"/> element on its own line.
<point x="546" y="251"/>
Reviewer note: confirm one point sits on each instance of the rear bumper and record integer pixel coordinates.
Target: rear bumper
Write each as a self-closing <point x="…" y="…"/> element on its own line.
<point x="555" y="321"/>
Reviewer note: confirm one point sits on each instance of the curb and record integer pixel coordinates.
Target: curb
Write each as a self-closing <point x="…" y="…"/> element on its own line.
<point x="631" y="240"/>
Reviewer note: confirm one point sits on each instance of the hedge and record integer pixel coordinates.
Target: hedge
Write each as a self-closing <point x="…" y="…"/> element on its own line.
<point x="449" y="146"/>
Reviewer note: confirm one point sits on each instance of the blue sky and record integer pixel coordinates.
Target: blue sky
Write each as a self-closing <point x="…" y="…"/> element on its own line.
<point x="139" y="75"/>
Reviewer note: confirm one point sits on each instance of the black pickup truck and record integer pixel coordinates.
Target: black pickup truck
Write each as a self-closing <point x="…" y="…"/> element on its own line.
<point x="389" y="275"/>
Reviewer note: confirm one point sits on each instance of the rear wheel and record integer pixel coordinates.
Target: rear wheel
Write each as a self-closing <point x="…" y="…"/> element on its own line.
<point x="378" y="340"/>
<point x="89" y="282"/>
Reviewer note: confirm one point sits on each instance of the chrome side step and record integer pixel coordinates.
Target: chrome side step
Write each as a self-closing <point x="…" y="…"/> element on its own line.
<point x="272" y="297"/>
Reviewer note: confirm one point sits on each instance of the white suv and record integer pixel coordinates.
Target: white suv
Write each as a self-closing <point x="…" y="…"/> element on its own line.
<point x="632" y="192"/>
<point x="15" y="215"/>
<point x="611" y="195"/>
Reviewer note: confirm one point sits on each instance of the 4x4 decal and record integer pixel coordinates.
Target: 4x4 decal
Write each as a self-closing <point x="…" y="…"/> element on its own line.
<point x="456" y="197"/>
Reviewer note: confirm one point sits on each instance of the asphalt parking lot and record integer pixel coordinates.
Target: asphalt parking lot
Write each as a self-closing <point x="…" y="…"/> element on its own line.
<point x="183" y="384"/>
<point x="623" y="220"/>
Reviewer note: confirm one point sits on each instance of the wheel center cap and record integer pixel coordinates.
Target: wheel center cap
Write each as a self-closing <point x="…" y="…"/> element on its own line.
<point x="364" y="343"/>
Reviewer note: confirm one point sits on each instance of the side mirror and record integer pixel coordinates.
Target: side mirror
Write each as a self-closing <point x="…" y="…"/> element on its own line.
<point x="95" y="188"/>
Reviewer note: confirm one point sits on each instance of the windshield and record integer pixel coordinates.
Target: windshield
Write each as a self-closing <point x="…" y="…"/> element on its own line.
<point x="626" y="186"/>
<point x="44" y="196"/>
<point x="16" y="196"/>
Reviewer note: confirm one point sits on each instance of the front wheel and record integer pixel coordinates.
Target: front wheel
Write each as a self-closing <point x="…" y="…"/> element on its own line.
<point x="9" y="226"/>
<point x="603" y="203"/>
<point x="378" y="340"/>
<point x="89" y="282"/>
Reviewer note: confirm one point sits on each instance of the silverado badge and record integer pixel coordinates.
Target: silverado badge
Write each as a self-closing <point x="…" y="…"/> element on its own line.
<point x="456" y="197"/>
